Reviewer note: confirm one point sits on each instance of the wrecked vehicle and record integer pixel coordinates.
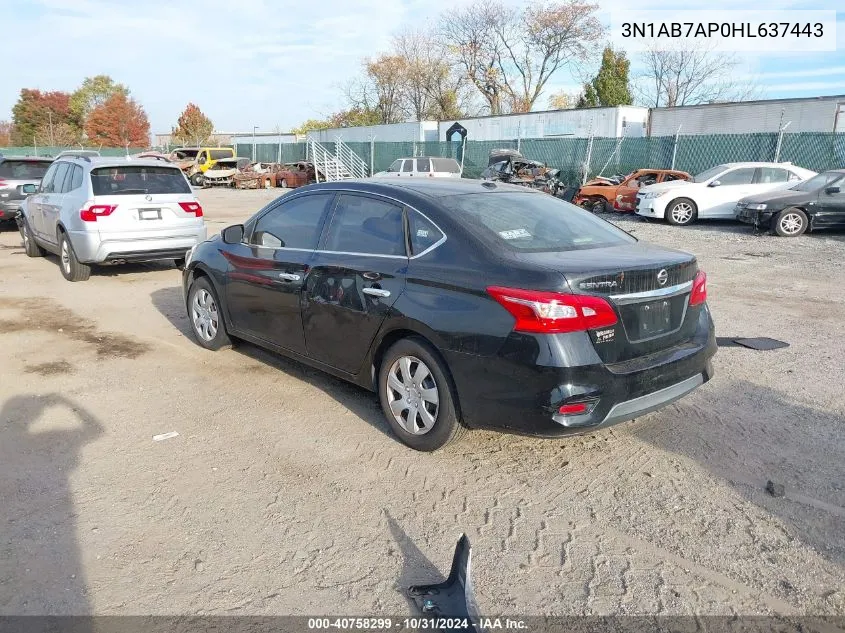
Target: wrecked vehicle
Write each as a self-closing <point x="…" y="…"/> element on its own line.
<point x="620" y="193"/>
<point x="195" y="161"/>
<point x="506" y="165"/>
<point x="257" y="176"/>
<point x="296" y="175"/>
<point x="223" y="173"/>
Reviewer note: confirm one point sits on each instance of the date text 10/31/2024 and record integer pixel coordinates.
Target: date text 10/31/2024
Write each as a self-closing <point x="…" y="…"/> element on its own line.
<point x="416" y="624"/>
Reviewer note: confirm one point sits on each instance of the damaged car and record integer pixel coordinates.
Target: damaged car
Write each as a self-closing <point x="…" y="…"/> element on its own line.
<point x="511" y="167"/>
<point x="620" y="194"/>
<point x="257" y="176"/>
<point x="223" y="173"/>
<point x="297" y="174"/>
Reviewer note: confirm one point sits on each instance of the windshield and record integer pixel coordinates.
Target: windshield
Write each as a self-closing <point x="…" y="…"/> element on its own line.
<point x="183" y="154"/>
<point x="113" y="181"/>
<point x="533" y="223"/>
<point x="817" y="182"/>
<point x="707" y="174"/>
<point x="24" y="169"/>
<point x="396" y="165"/>
<point x="217" y="154"/>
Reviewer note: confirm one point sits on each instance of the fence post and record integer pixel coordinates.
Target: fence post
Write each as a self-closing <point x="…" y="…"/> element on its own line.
<point x="780" y="140"/>
<point x="588" y="158"/>
<point x="675" y="147"/>
<point x="372" y="154"/>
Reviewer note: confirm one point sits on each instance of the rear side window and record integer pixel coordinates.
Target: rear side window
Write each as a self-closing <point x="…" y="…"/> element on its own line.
<point x="773" y="174"/>
<point x="446" y="165"/>
<point x="217" y="154"/>
<point x="75" y="178"/>
<point x="366" y="225"/>
<point x="23" y="169"/>
<point x="408" y="166"/>
<point x="293" y="224"/>
<point x="423" y="164"/>
<point x="424" y="234"/>
<point x="532" y="222"/>
<point x="59" y="178"/>
<point x="136" y="179"/>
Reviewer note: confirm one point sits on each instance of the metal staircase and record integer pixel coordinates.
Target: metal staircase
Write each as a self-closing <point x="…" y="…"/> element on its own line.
<point x="341" y="165"/>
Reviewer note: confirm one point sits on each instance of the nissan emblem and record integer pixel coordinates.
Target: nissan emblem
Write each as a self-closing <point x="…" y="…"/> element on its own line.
<point x="662" y="277"/>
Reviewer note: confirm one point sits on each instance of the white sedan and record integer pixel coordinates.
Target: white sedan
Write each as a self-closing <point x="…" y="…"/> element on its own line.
<point x="714" y="193"/>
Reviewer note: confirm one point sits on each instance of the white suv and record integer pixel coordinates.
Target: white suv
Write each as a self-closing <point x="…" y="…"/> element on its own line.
<point x="714" y="193"/>
<point x="423" y="166"/>
<point x="93" y="210"/>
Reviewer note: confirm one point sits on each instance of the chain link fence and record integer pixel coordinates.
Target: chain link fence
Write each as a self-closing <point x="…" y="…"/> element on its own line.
<point x="577" y="158"/>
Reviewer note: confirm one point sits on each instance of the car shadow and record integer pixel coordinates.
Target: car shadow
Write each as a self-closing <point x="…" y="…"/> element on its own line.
<point x="746" y="446"/>
<point x="360" y="401"/>
<point x="41" y="572"/>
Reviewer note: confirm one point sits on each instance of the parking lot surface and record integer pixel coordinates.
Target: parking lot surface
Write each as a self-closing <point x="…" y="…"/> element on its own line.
<point x="284" y="492"/>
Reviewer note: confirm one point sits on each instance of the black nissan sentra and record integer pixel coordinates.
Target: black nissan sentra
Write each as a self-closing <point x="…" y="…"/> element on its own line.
<point x="464" y="304"/>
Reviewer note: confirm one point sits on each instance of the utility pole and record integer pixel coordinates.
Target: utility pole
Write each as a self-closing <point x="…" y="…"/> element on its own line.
<point x="52" y="140"/>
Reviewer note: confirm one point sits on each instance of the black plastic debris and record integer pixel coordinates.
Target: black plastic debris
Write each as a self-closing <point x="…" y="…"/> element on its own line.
<point x="453" y="599"/>
<point x="776" y="490"/>
<point x="761" y="343"/>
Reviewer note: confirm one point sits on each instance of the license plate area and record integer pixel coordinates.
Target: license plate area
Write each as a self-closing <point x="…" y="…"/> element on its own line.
<point x="655" y="319"/>
<point x="652" y="319"/>
<point x="149" y="214"/>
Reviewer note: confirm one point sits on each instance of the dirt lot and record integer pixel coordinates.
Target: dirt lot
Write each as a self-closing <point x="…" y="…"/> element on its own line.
<point x="285" y="493"/>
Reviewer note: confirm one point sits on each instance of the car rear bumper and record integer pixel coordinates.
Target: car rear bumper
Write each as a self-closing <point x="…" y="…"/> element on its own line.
<point x="513" y="394"/>
<point x="94" y="247"/>
<point x="9" y="209"/>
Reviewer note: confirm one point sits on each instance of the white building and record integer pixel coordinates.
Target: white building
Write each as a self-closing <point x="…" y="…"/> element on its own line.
<point x="628" y="121"/>
<point x="417" y="131"/>
<point x="814" y="114"/>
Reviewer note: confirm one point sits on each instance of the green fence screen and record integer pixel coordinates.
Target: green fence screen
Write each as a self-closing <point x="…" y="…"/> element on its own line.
<point x="577" y="158"/>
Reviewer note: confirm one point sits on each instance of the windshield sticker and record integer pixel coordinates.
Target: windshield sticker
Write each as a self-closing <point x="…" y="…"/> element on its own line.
<point x="514" y="234"/>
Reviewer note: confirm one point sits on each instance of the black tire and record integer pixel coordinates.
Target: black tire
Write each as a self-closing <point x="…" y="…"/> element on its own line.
<point x="212" y="314"/>
<point x="31" y="248"/>
<point x="446" y="426"/>
<point x="599" y="206"/>
<point x="790" y="222"/>
<point x="283" y="183"/>
<point x="681" y="212"/>
<point x="72" y="269"/>
<point x="197" y="179"/>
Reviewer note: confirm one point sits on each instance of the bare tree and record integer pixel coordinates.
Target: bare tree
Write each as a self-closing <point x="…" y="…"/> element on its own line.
<point x="677" y="77"/>
<point x="510" y="54"/>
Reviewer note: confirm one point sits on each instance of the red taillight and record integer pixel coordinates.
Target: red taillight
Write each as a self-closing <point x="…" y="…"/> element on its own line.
<point x="553" y="312"/>
<point x="192" y="207"/>
<point x="91" y="213"/>
<point x="573" y="409"/>
<point x="699" y="289"/>
<point x="2" y="183"/>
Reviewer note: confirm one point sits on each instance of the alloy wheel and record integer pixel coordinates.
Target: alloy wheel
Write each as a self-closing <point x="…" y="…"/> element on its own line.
<point x="412" y="395"/>
<point x="791" y="223"/>
<point x="682" y="213"/>
<point x="204" y="315"/>
<point x="65" y="256"/>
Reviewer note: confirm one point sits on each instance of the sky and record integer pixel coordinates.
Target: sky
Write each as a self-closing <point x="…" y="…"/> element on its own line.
<point x="274" y="64"/>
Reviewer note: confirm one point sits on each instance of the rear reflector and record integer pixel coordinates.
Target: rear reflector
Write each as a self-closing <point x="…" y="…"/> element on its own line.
<point x="553" y="312"/>
<point x="699" y="289"/>
<point x="573" y="409"/>
<point x="192" y="207"/>
<point x="94" y="211"/>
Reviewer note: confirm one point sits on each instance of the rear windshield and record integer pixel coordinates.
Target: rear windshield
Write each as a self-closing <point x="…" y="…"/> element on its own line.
<point x="24" y="169"/>
<point x="448" y="165"/>
<point x="113" y="181"/>
<point x="533" y="222"/>
<point x="217" y="154"/>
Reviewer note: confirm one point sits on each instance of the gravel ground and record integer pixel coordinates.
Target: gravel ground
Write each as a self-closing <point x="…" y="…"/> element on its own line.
<point x="284" y="492"/>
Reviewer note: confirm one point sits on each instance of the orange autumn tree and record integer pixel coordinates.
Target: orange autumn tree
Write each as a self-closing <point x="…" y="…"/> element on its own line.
<point x="118" y="122"/>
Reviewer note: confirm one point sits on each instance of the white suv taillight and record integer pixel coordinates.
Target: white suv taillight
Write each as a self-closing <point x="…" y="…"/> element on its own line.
<point x="192" y="207"/>
<point x="90" y="212"/>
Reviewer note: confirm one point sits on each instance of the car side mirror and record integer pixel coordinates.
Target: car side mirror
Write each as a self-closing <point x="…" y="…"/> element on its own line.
<point x="233" y="234"/>
<point x="29" y="189"/>
<point x="714" y="183"/>
<point x="832" y="190"/>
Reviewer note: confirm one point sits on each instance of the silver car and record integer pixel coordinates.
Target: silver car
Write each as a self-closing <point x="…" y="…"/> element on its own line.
<point x="92" y="210"/>
<point x="15" y="172"/>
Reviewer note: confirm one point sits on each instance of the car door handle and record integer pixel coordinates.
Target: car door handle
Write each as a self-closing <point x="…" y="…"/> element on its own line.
<point x="372" y="276"/>
<point x="376" y="292"/>
<point x="289" y="276"/>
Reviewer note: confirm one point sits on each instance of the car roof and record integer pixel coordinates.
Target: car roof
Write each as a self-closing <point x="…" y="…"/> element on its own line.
<point x="762" y="164"/>
<point x="429" y="187"/>
<point x="116" y="161"/>
<point x="31" y="159"/>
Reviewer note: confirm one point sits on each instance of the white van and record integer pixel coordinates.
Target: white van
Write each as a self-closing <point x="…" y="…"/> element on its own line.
<point x="423" y="166"/>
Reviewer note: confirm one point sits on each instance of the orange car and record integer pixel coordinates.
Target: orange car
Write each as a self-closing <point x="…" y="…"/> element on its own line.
<point x="601" y="194"/>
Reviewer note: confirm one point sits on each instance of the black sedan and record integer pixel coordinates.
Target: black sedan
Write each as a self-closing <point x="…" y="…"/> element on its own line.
<point x="817" y="203"/>
<point x="463" y="304"/>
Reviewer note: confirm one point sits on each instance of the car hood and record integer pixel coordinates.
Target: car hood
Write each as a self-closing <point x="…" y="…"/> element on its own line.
<point x="220" y="173"/>
<point x="776" y="197"/>
<point x="666" y="186"/>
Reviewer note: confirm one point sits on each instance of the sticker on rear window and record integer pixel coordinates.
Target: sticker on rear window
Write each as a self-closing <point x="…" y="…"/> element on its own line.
<point x="514" y="234"/>
<point x="422" y="232"/>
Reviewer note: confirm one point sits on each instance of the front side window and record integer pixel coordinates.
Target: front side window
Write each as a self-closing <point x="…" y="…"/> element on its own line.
<point x="532" y="222"/>
<point x="59" y="178"/>
<point x="742" y="176"/>
<point x="408" y="166"/>
<point x="366" y="225"/>
<point x="818" y="182"/>
<point x="47" y="181"/>
<point x="135" y="179"/>
<point x="293" y="224"/>
<point x="396" y="165"/>
<point x="707" y="174"/>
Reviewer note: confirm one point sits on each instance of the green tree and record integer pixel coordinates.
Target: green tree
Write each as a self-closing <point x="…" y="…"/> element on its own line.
<point x="610" y="87"/>
<point x="193" y="127"/>
<point x="93" y="92"/>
